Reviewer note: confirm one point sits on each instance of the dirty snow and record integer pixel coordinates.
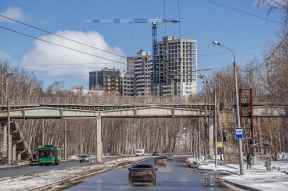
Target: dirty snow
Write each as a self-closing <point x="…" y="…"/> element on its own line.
<point x="255" y="178"/>
<point x="35" y="180"/>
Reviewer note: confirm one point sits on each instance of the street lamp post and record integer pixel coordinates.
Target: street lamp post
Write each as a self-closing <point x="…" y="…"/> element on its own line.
<point x="8" y="119"/>
<point x="237" y="108"/>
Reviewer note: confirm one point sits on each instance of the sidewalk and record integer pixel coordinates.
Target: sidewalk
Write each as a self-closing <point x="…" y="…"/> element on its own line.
<point x="256" y="178"/>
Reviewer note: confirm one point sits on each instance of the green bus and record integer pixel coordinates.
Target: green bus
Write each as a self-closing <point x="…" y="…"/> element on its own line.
<point x="49" y="154"/>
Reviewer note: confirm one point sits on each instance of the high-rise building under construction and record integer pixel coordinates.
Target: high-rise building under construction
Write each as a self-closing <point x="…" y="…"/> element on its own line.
<point x="176" y="68"/>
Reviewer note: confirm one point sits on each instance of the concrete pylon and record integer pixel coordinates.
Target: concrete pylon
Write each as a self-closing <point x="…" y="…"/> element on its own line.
<point x="210" y="138"/>
<point x="99" y="140"/>
<point x="4" y="128"/>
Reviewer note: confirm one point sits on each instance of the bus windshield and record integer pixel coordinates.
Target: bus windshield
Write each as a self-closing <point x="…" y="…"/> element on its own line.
<point x="46" y="153"/>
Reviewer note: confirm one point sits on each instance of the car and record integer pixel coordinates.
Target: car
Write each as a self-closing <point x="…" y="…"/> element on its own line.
<point x="156" y="153"/>
<point x="139" y="152"/>
<point x="170" y="157"/>
<point x="160" y="160"/>
<point x="142" y="172"/>
<point x="84" y="158"/>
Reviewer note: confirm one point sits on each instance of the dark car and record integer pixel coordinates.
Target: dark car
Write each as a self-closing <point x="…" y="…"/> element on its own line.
<point x="160" y="160"/>
<point x="156" y="153"/>
<point x="142" y="172"/>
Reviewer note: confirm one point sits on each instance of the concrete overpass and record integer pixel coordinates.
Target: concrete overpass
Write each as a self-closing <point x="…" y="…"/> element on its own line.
<point x="99" y="111"/>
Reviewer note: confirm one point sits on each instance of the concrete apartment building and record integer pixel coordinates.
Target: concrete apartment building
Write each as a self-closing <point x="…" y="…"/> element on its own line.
<point x="176" y="71"/>
<point x="109" y="79"/>
<point x="141" y="66"/>
<point x="177" y="65"/>
<point x="128" y="83"/>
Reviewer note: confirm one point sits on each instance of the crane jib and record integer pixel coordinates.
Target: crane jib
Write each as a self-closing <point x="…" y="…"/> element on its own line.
<point x="133" y="21"/>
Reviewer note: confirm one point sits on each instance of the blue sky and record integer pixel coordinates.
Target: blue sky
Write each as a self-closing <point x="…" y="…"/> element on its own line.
<point x="199" y="20"/>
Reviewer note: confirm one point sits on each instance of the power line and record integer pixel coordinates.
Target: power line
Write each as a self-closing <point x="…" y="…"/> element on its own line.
<point x="267" y="58"/>
<point x="244" y="12"/>
<point x="233" y="50"/>
<point x="62" y="37"/>
<point x="62" y="46"/>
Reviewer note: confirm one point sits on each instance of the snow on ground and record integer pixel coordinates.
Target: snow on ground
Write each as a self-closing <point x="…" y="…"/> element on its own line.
<point x="35" y="180"/>
<point x="15" y="164"/>
<point x="257" y="177"/>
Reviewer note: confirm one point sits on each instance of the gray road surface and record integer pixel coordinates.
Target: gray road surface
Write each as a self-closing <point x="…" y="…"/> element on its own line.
<point x="175" y="176"/>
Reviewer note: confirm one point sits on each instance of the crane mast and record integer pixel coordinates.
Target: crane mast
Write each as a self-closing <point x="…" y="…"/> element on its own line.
<point x="154" y="41"/>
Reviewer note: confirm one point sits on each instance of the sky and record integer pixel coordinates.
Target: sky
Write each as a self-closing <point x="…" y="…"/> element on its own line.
<point x="200" y="20"/>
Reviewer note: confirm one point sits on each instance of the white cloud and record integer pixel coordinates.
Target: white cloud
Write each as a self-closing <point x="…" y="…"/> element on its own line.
<point x="4" y="56"/>
<point x="52" y="59"/>
<point x="13" y="13"/>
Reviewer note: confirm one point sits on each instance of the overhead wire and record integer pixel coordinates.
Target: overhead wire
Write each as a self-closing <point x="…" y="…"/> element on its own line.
<point x="266" y="58"/>
<point x="229" y="51"/>
<point x="62" y="46"/>
<point x="260" y="18"/>
<point x="245" y="12"/>
<point x="61" y="36"/>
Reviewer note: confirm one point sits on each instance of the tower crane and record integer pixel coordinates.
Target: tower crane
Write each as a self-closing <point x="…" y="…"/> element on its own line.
<point x="154" y="40"/>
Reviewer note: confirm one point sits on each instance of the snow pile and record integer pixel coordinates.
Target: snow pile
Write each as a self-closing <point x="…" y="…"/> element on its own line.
<point x="73" y="157"/>
<point x="15" y="164"/>
<point x="261" y="180"/>
<point x="255" y="178"/>
<point x="35" y="180"/>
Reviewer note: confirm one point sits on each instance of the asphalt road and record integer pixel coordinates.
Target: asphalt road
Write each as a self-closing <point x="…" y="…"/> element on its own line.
<point x="5" y="172"/>
<point x="175" y="176"/>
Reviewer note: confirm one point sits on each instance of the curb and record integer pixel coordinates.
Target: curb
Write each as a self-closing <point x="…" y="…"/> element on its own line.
<point x="65" y="181"/>
<point x="239" y="185"/>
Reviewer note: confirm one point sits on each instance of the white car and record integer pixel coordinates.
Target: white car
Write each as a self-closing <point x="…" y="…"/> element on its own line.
<point x="139" y="153"/>
<point x="84" y="158"/>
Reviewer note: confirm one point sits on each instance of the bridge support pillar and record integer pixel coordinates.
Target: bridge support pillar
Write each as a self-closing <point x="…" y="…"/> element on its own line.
<point x="210" y="138"/>
<point x="99" y="140"/>
<point x="4" y="128"/>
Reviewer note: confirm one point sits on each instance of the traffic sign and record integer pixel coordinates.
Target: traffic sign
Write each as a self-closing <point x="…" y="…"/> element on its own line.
<point x="239" y="133"/>
<point x="219" y="145"/>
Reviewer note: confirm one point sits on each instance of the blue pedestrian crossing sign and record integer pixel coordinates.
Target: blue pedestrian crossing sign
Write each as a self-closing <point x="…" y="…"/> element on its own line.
<point x="239" y="132"/>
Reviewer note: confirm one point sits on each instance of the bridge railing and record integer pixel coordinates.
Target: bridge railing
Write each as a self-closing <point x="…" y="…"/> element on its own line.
<point x="106" y="100"/>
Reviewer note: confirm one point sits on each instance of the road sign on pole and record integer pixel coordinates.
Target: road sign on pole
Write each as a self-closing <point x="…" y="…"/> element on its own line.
<point x="239" y="133"/>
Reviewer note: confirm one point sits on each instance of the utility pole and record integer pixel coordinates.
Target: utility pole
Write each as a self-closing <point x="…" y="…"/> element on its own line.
<point x="42" y="132"/>
<point x="199" y="153"/>
<point x="9" y="137"/>
<point x="205" y="130"/>
<point x="8" y="118"/>
<point x="65" y="140"/>
<point x="238" y="120"/>
<point x="237" y="109"/>
<point x="215" y="124"/>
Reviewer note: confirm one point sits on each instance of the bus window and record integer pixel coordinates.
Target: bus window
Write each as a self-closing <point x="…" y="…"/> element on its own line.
<point x="45" y="153"/>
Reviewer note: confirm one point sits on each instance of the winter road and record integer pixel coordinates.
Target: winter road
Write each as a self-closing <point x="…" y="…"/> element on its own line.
<point x="175" y="176"/>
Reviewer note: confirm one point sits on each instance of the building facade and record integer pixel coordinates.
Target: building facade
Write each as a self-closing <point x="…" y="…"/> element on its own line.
<point x="176" y="71"/>
<point x="141" y="66"/>
<point x="177" y="65"/>
<point x="109" y="79"/>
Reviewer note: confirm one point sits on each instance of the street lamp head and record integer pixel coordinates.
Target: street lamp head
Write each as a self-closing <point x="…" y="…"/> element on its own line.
<point x="216" y="43"/>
